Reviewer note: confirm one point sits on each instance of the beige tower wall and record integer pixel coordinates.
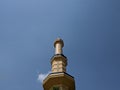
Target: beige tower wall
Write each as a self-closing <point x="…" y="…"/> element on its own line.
<point x="58" y="66"/>
<point x="58" y="48"/>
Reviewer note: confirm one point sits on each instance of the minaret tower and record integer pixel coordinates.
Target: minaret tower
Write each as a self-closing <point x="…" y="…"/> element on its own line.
<point x="58" y="79"/>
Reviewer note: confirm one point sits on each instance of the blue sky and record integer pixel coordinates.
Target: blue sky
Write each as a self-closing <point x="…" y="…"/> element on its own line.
<point x="90" y="30"/>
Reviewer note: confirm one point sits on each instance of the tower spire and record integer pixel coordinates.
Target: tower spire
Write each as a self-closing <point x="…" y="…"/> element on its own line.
<point x="58" y="61"/>
<point x="58" y="44"/>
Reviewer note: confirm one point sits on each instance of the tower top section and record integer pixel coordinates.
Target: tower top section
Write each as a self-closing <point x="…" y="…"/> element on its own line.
<point x="58" y="44"/>
<point x="60" y="41"/>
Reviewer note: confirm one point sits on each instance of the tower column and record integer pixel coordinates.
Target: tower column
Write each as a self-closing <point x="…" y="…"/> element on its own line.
<point x="59" y="61"/>
<point x="58" y="44"/>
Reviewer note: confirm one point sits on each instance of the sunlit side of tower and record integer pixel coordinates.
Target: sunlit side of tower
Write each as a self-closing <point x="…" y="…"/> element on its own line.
<point x="59" y="79"/>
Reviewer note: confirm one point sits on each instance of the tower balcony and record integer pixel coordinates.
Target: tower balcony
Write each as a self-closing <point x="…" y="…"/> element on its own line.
<point x="60" y="79"/>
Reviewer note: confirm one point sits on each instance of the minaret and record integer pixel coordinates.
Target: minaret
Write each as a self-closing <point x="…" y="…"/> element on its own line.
<point x="59" y="79"/>
<point x="59" y="61"/>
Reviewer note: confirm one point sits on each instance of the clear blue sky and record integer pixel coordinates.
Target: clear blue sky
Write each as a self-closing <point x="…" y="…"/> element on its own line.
<point x="90" y="30"/>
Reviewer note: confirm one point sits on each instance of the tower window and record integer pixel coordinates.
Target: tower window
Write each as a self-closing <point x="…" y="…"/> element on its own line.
<point x="55" y="88"/>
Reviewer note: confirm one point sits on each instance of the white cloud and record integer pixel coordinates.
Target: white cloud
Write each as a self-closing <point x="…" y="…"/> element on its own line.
<point x="42" y="76"/>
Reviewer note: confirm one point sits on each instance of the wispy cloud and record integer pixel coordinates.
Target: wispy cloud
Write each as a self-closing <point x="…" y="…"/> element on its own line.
<point x="42" y="76"/>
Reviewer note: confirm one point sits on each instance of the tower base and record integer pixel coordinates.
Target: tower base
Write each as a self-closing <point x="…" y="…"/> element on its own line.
<point x="59" y="81"/>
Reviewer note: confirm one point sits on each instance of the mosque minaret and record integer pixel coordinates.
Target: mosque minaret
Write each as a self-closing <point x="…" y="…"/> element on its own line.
<point x="59" y="79"/>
